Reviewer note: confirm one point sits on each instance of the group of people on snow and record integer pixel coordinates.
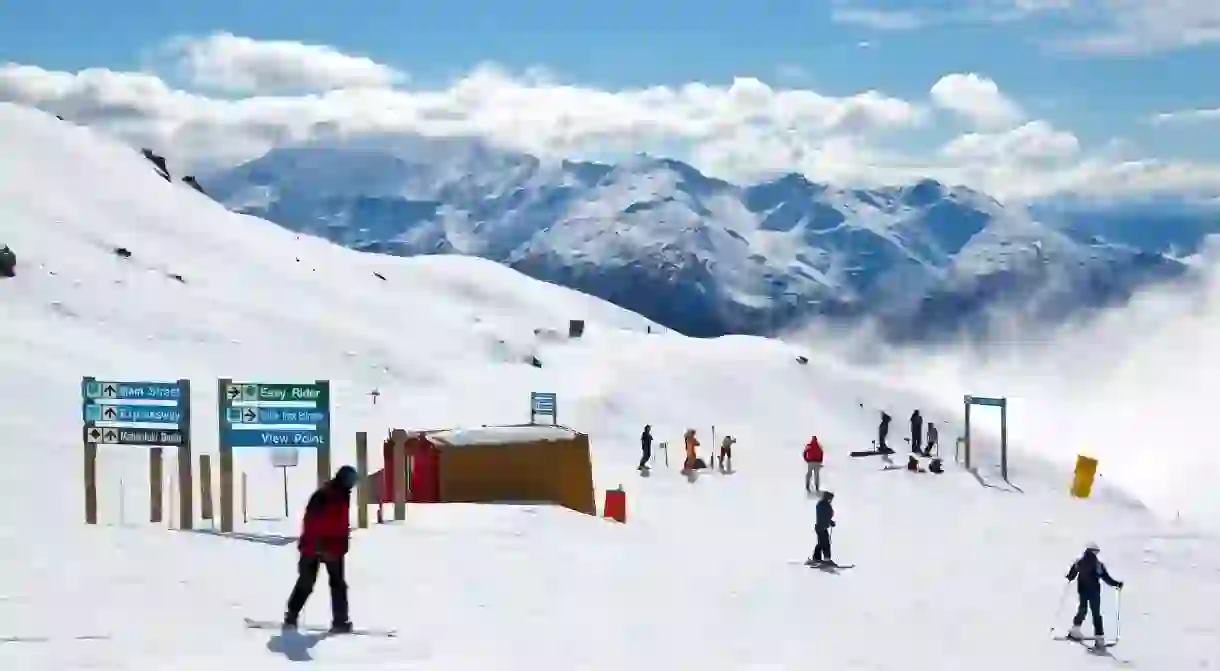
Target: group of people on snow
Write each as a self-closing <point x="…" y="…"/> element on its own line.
<point x="325" y="533"/>
<point x="691" y="461"/>
<point x="918" y="445"/>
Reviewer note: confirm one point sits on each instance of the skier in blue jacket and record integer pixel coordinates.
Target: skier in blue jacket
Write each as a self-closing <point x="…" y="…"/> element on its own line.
<point x="824" y="519"/>
<point x="1089" y="573"/>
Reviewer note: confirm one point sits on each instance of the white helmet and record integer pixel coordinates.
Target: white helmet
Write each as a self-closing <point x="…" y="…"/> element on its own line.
<point x="1092" y="547"/>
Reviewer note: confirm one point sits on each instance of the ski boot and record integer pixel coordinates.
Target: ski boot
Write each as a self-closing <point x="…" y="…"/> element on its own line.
<point x="344" y="627"/>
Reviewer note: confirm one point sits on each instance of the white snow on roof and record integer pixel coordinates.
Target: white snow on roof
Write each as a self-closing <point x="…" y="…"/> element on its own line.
<point x="502" y="435"/>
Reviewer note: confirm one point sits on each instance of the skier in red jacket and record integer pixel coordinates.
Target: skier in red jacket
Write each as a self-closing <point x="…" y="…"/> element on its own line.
<point x="324" y="540"/>
<point x="813" y="465"/>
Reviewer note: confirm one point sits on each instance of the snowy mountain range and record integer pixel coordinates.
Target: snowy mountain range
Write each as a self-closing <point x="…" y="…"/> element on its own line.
<point x="702" y="255"/>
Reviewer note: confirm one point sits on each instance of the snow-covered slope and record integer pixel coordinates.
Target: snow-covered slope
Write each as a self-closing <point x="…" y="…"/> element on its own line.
<point x="699" y="254"/>
<point x="953" y="572"/>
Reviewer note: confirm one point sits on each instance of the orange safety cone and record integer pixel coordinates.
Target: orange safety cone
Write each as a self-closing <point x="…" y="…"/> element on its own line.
<point x="616" y="505"/>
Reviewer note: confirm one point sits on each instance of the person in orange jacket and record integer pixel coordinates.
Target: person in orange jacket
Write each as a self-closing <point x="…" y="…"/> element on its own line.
<point x="691" y="443"/>
<point x="813" y="465"/>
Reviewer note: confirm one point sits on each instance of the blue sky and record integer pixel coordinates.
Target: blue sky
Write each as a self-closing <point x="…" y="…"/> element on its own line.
<point x="636" y="43"/>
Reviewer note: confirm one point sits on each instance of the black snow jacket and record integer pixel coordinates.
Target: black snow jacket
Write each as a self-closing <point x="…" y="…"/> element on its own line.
<point x="1089" y="573"/>
<point x="916" y="424"/>
<point x="646" y="438"/>
<point x="825" y="515"/>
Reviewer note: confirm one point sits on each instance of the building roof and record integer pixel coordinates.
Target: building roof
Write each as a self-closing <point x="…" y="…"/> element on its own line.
<point x="501" y="435"/>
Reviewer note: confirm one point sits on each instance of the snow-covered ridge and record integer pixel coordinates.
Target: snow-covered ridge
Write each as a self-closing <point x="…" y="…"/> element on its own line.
<point x="696" y="253"/>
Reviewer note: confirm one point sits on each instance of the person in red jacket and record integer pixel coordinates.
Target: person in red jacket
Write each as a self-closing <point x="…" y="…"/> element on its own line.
<point x="813" y="465"/>
<point x="324" y="541"/>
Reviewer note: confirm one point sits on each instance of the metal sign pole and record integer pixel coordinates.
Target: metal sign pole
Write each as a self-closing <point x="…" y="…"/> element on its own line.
<point x="284" y="471"/>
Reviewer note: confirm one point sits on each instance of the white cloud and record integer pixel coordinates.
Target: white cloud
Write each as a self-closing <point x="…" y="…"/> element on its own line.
<point x="529" y="115"/>
<point x="1036" y="141"/>
<point x="1144" y="26"/>
<point x="1113" y="27"/>
<point x="977" y="99"/>
<point x="737" y="131"/>
<point x="1186" y="116"/>
<point x="878" y="19"/>
<point x="1100" y="27"/>
<point x="230" y="63"/>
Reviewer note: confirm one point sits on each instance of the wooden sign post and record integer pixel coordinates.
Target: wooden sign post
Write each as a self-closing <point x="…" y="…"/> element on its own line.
<point x="254" y="414"/>
<point x="121" y="413"/>
<point x="362" y="482"/>
<point x="398" y="447"/>
<point x="155" y="476"/>
<point x="205" y="488"/>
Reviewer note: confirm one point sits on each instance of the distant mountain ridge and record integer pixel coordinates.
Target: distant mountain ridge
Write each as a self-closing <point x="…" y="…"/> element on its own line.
<point x="705" y="256"/>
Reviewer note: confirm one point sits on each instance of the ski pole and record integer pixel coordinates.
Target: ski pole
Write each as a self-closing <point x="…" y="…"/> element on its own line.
<point x="1059" y="608"/>
<point x="1118" y="616"/>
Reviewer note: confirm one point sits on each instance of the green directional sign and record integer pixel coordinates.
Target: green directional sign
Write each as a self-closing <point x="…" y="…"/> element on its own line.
<point x="293" y="392"/>
<point x="274" y="414"/>
<point x="246" y="392"/>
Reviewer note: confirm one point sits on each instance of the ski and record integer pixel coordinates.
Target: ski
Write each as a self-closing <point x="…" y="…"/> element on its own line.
<point x="359" y="631"/>
<point x="827" y="565"/>
<point x="1088" y="643"/>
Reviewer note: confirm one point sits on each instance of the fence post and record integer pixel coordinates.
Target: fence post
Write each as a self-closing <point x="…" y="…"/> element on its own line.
<point x="155" y="476"/>
<point x="205" y="488"/>
<point x="90" y="483"/>
<point x="362" y="472"/>
<point x="398" y="442"/>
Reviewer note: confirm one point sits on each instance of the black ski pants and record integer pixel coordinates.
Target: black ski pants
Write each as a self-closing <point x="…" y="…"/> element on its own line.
<point x="821" y="551"/>
<point x="645" y="455"/>
<point x="307" y="575"/>
<point x="1090" y="601"/>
